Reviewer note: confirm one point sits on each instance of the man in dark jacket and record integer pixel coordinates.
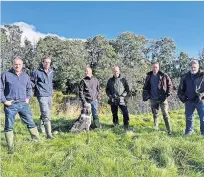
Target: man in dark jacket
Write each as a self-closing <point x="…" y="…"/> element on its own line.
<point x="89" y="92"/>
<point x="158" y="88"/>
<point x="43" y="89"/>
<point x="16" y="91"/>
<point x="117" y="90"/>
<point x="191" y="92"/>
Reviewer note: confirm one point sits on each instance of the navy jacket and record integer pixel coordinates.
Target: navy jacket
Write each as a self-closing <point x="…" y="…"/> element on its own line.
<point x="197" y="88"/>
<point x="14" y="87"/>
<point x="42" y="82"/>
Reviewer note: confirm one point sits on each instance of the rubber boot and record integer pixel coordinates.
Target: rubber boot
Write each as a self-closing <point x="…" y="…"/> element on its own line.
<point x="34" y="134"/>
<point x="167" y="124"/>
<point x="48" y="130"/>
<point x="156" y="123"/>
<point x="41" y="127"/>
<point x="9" y="140"/>
<point x="96" y="123"/>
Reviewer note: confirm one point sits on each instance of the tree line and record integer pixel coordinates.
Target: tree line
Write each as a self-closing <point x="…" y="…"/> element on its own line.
<point x="133" y="53"/>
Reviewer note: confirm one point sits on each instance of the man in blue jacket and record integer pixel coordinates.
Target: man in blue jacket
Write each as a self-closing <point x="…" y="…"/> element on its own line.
<point x="43" y="89"/>
<point x="16" y="91"/>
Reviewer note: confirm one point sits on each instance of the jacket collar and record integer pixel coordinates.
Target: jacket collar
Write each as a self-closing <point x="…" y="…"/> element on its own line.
<point x="198" y="74"/>
<point x="42" y="69"/>
<point x="159" y="73"/>
<point x="14" y="72"/>
<point x="117" y="77"/>
<point x="89" y="78"/>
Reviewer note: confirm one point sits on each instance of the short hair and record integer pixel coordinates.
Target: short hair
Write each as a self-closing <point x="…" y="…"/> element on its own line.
<point x="116" y="66"/>
<point x="194" y="62"/>
<point x="17" y="58"/>
<point x="46" y="57"/>
<point x="88" y="67"/>
<point x="155" y="63"/>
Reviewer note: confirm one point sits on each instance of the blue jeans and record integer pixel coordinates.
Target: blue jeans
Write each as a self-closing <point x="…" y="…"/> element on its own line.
<point x="189" y="110"/>
<point x="24" y="112"/>
<point x="94" y="109"/>
<point x="45" y="108"/>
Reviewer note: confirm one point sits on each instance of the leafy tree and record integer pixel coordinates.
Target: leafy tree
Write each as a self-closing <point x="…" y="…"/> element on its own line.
<point x="163" y="51"/>
<point x="101" y="57"/>
<point x="201" y="58"/>
<point x="132" y="50"/>
<point x="10" y="45"/>
<point x="180" y="65"/>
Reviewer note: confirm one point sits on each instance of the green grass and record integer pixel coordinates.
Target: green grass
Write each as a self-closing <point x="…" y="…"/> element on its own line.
<point x="109" y="152"/>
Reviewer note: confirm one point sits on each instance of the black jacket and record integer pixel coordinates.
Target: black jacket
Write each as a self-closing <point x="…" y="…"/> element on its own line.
<point x="199" y="89"/>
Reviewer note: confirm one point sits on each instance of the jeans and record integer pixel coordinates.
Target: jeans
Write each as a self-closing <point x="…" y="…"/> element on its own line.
<point x="23" y="109"/>
<point x="114" y="110"/>
<point x="94" y="109"/>
<point x="189" y="112"/>
<point x="45" y="108"/>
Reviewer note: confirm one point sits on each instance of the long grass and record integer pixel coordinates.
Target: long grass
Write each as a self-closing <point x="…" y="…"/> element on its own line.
<point x="107" y="152"/>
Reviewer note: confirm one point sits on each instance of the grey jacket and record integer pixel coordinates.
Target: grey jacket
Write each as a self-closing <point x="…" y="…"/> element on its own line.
<point x="117" y="89"/>
<point x="42" y="82"/>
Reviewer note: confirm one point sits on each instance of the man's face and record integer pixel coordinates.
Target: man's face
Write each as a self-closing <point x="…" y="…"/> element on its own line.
<point x="155" y="68"/>
<point x="194" y="68"/>
<point x="18" y="65"/>
<point x="116" y="72"/>
<point x="88" y="72"/>
<point x="46" y="63"/>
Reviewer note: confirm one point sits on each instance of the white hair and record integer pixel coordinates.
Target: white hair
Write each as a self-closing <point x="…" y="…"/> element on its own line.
<point x="194" y="62"/>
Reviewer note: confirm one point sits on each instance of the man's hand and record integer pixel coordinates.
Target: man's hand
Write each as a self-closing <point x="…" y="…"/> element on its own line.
<point x="27" y="100"/>
<point x="8" y="103"/>
<point x="196" y="99"/>
<point x="111" y="99"/>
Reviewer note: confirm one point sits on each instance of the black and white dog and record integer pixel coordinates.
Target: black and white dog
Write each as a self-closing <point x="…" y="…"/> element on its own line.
<point x="84" y="120"/>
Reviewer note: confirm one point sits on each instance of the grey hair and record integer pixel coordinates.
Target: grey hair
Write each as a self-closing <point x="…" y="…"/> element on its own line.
<point x="17" y="57"/>
<point x="116" y="66"/>
<point x="194" y="62"/>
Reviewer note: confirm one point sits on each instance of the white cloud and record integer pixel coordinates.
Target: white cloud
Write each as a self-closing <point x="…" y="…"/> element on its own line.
<point x="29" y="32"/>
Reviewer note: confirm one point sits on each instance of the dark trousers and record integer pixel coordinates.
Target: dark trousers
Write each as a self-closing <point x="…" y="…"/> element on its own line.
<point x="114" y="110"/>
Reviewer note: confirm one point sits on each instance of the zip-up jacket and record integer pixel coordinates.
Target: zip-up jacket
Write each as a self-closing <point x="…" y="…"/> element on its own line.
<point x="89" y="89"/>
<point x="42" y="82"/>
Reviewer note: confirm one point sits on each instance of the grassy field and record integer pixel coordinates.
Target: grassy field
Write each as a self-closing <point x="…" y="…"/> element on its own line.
<point x="108" y="152"/>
